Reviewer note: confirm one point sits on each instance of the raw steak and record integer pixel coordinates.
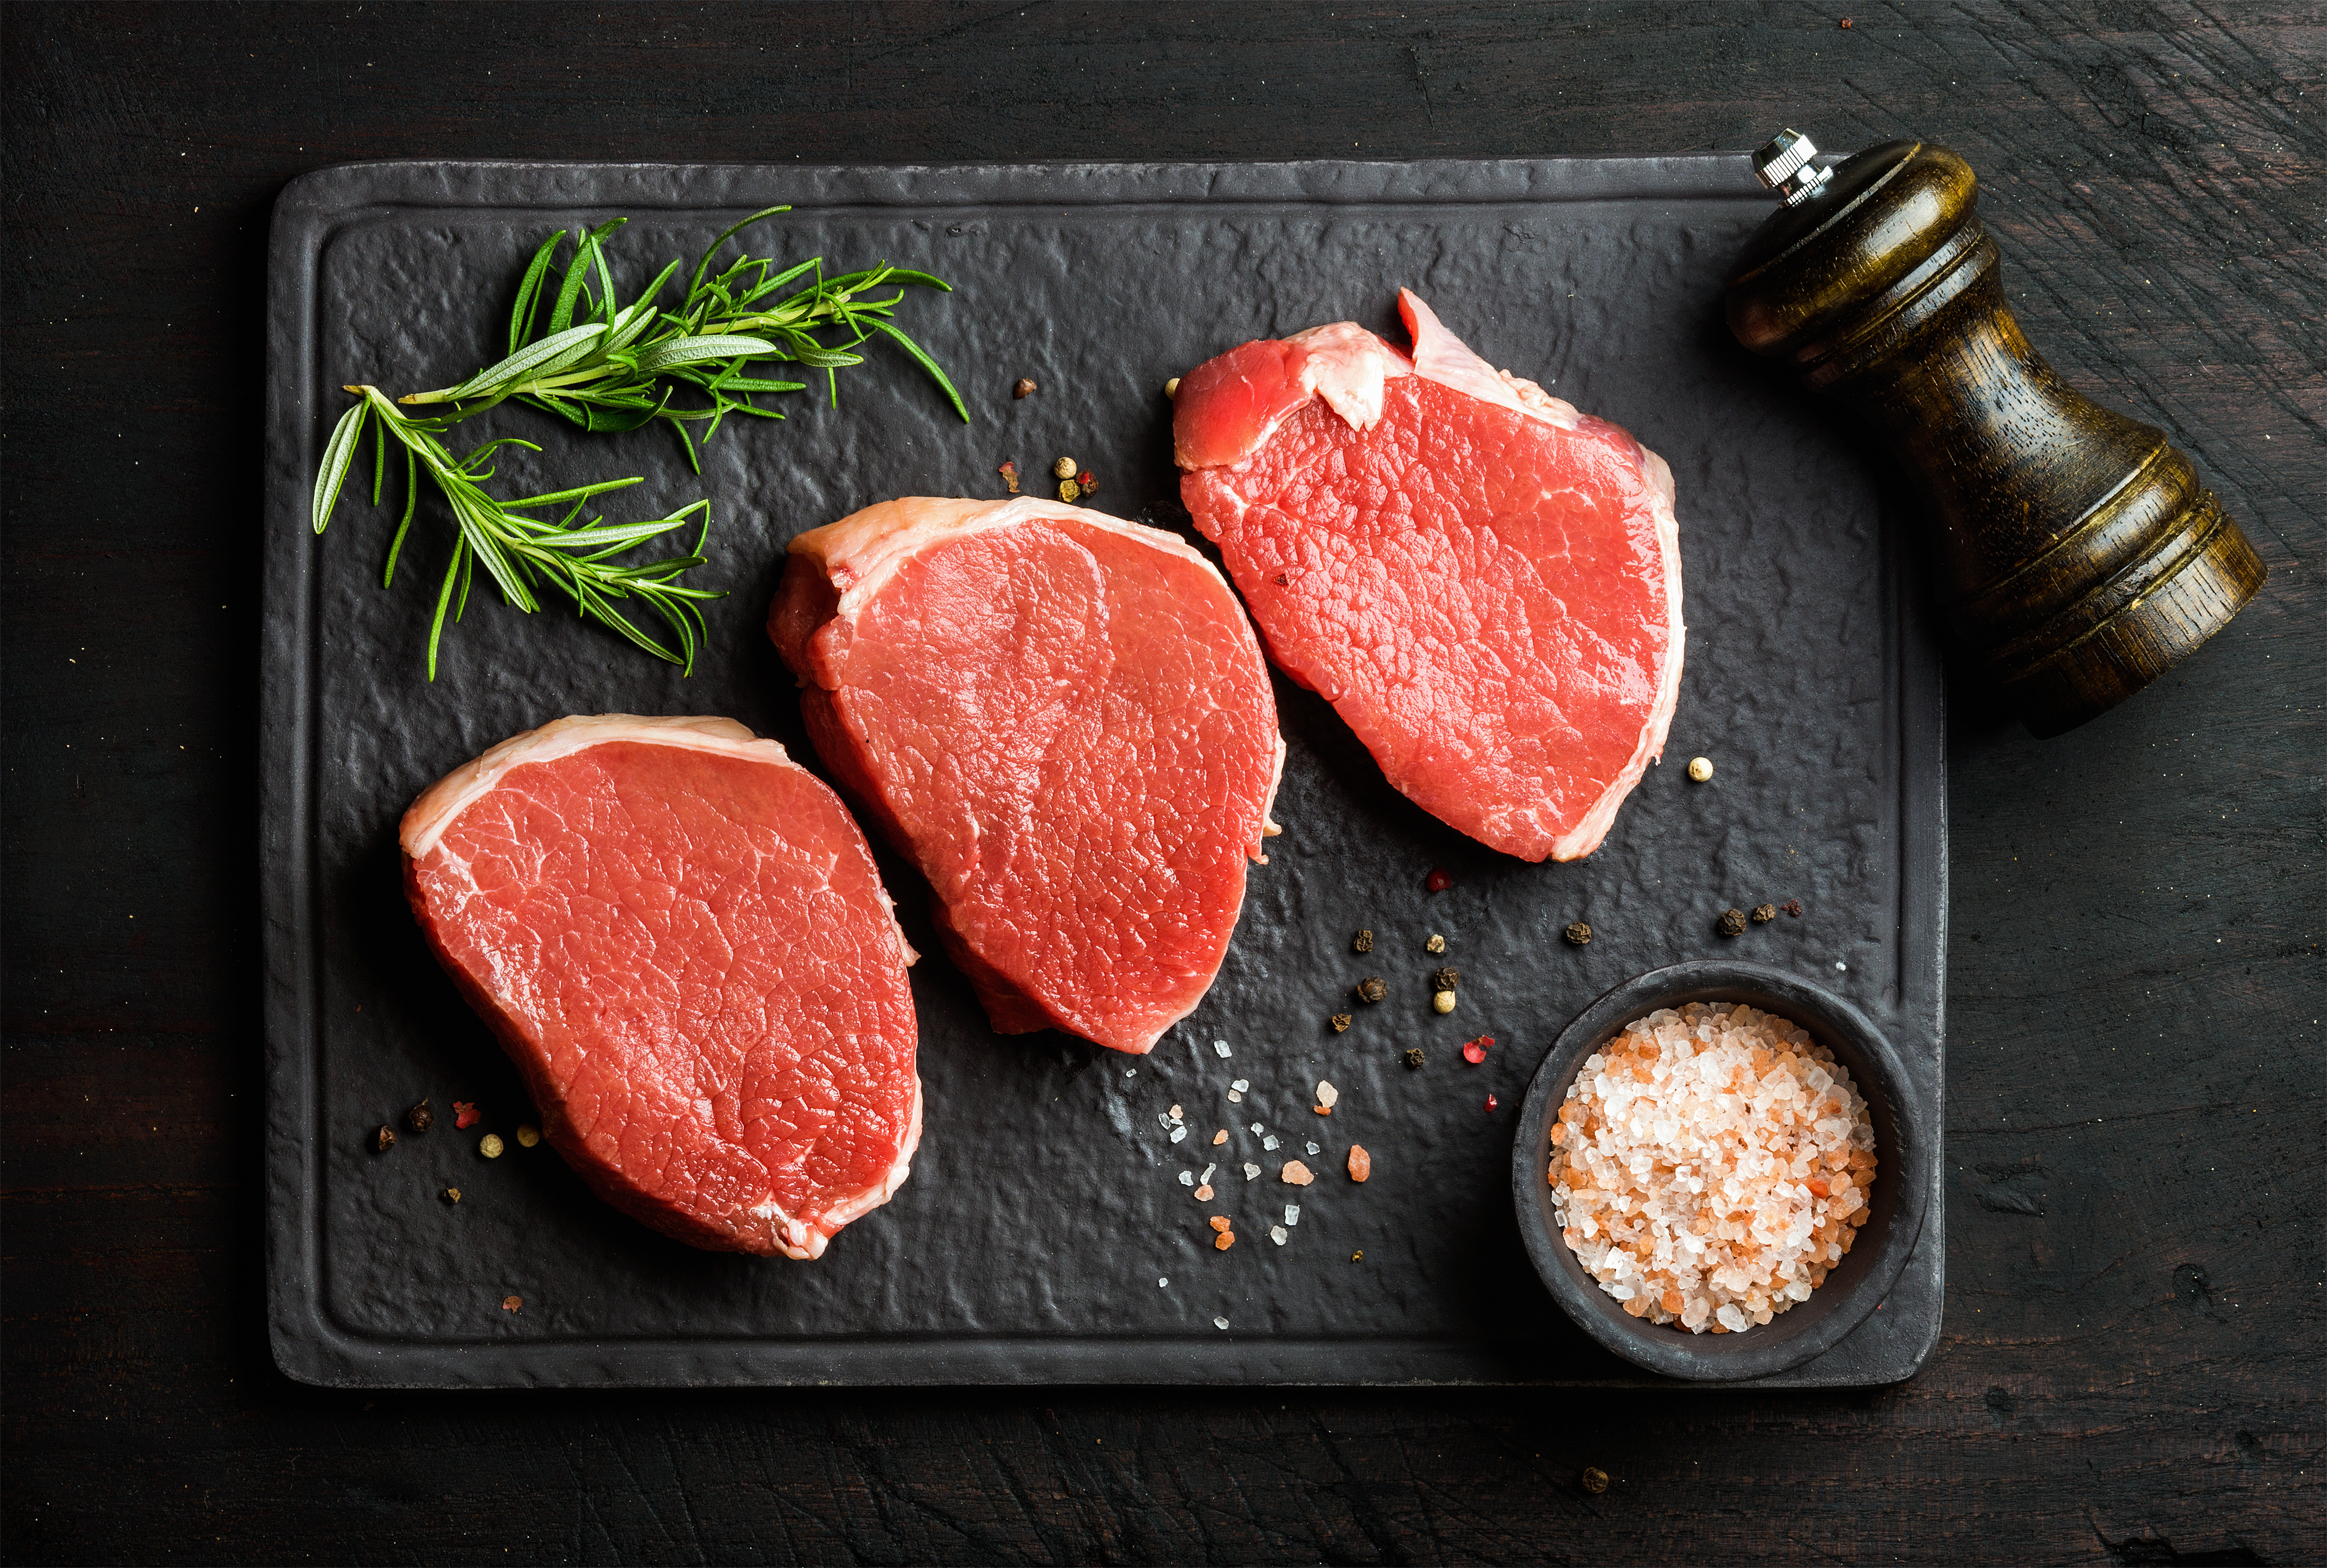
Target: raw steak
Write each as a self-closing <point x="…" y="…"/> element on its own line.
<point x="681" y="938"/>
<point x="1483" y="582"/>
<point x="1064" y="722"/>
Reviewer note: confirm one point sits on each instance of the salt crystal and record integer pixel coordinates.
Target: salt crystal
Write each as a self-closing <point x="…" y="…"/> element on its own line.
<point x="1222" y="1046"/>
<point x="1314" y="1149"/>
<point x="1175" y="1113"/>
<point x="1256" y="1126"/>
<point x="1163" y="1121"/>
<point x="1327" y="1095"/>
<point x="1277" y="1233"/>
<point x="1269" y="1142"/>
<point x="1235" y="1096"/>
<point x="1161" y="1282"/>
<point x="1241" y="1084"/>
<point x="1293" y="1214"/>
<point x="1207" y="1176"/>
<point x="1187" y="1178"/>
<point x="1251" y="1171"/>
<point x="1840" y="964"/>
<point x="1178" y="1133"/>
<point x="1220" y="1322"/>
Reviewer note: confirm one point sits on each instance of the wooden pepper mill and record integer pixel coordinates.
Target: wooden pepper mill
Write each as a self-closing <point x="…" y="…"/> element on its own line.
<point x="2078" y="556"/>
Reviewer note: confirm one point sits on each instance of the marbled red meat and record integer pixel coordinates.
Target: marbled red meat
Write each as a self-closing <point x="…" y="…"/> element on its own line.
<point x="1064" y="722"/>
<point x="1485" y="584"/>
<point x="681" y="939"/>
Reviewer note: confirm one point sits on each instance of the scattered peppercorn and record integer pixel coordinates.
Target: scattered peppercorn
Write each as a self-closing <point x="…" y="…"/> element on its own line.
<point x="1794" y="908"/>
<point x="1845" y="24"/>
<point x="465" y="1114"/>
<point x="1171" y="388"/>
<point x="1764" y="913"/>
<point x="385" y="1140"/>
<point x="1577" y="933"/>
<point x="1474" y="1051"/>
<point x="1595" y="1479"/>
<point x="528" y="1137"/>
<point x="1441" y="1001"/>
<point x="1356" y="1258"/>
<point x="1733" y="922"/>
<point x="490" y="1145"/>
<point x="1089" y="481"/>
<point x="1069" y="491"/>
<point x="1415" y="1059"/>
<point x="1025" y="388"/>
<point x="1437" y="882"/>
<point x="1009" y="472"/>
<point x="1445" y="978"/>
<point x="1064" y="468"/>
<point x="512" y="1303"/>
<point x="1363" y="942"/>
<point x="1700" y="768"/>
<point x="1372" y="988"/>
<point x="420" y="1118"/>
<point x="1341" y="1023"/>
<point x="452" y="1195"/>
<point x="1437" y="944"/>
<point x="1491" y="1104"/>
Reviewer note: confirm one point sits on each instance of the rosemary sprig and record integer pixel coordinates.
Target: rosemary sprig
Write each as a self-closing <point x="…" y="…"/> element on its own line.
<point x="521" y="552"/>
<point x="607" y="367"/>
<point x="604" y="375"/>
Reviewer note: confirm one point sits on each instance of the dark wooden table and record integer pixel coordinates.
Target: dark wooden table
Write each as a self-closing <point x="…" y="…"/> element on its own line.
<point x="2135" y="1362"/>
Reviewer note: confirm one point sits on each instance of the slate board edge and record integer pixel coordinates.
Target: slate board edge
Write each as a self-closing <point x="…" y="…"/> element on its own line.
<point x="309" y="1348"/>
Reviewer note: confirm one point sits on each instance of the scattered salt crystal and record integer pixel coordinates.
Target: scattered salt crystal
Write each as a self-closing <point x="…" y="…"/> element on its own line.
<point x="1220" y="1322"/>
<point x="1269" y="1142"/>
<point x="1175" y="1110"/>
<point x="1293" y="1214"/>
<point x="1256" y="1126"/>
<point x="1131" y="1072"/>
<point x="1207" y="1176"/>
<point x="1178" y="1133"/>
<point x="1235" y="1096"/>
<point x="1161" y="1282"/>
<point x="1222" y="1046"/>
<point x="1327" y="1095"/>
<point x="1277" y="1233"/>
<point x="1187" y="1178"/>
<point x="1840" y="964"/>
<point x="1312" y="1149"/>
<point x="1241" y="1084"/>
<point x="1163" y="1122"/>
<point x="1251" y="1171"/>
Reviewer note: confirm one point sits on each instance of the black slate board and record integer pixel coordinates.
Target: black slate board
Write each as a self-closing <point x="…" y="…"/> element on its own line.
<point x="1044" y="1207"/>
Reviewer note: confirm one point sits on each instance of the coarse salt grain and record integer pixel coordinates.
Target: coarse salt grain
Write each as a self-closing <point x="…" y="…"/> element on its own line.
<point x="1178" y="1133"/>
<point x="1221" y="1046"/>
<point x="1235" y="1096"/>
<point x="1187" y="1178"/>
<point x="1312" y="1149"/>
<point x="1293" y="1214"/>
<point x="1251" y="1171"/>
<point x="1710" y="1165"/>
<point x="1241" y="1084"/>
<point x="1277" y="1233"/>
<point x="1327" y="1095"/>
<point x="1220" y="1322"/>
<point x="1207" y="1176"/>
<point x="1269" y="1142"/>
<point x="1256" y="1126"/>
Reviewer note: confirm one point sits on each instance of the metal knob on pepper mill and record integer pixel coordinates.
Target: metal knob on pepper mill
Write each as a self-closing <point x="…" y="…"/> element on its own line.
<point x="2078" y="556"/>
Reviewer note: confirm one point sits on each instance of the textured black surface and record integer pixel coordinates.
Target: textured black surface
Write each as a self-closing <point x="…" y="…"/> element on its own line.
<point x="2133" y="1362"/>
<point x="1045" y="1212"/>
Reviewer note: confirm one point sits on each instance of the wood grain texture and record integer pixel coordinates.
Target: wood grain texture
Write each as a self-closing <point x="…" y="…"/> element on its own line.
<point x="2132" y="1369"/>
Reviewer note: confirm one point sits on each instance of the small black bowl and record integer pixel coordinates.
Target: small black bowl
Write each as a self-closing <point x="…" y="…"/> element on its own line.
<point x="1852" y="1287"/>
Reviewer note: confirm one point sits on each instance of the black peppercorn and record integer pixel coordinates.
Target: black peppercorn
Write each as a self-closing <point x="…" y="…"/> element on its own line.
<point x="385" y="1140"/>
<point x="1414" y="1058"/>
<point x="1764" y="913"/>
<point x="1443" y="979"/>
<point x="1363" y="942"/>
<point x="1577" y="933"/>
<point x="1372" y="989"/>
<point x="420" y="1118"/>
<point x="1733" y="922"/>
<point x="1595" y="1480"/>
<point x="1341" y="1021"/>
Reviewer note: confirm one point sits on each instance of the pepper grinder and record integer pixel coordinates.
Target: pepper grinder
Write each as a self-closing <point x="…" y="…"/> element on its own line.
<point x="2078" y="556"/>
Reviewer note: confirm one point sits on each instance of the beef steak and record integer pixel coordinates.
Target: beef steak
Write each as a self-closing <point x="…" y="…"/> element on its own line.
<point x="681" y="939"/>
<point x="1485" y="582"/>
<point x="1064" y="721"/>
